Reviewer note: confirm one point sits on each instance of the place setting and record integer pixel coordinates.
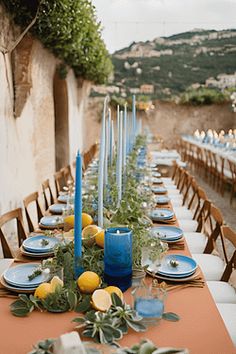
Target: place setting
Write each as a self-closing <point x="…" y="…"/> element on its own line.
<point x="159" y="190"/>
<point x="161" y="200"/>
<point x="172" y="235"/>
<point x="51" y="222"/>
<point x="39" y="246"/>
<point x="156" y="180"/>
<point x="19" y="278"/>
<point x="179" y="269"/>
<point x="57" y="208"/>
<point x="162" y="215"/>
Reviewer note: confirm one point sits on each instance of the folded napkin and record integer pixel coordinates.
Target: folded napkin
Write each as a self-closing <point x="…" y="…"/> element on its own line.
<point x="7" y="293"/>
<point x="176" y="246"/>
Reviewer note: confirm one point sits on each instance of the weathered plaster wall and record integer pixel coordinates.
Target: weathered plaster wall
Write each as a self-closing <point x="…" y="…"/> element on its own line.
<point x="171" y="120"/>
<point x="27" y="143"/>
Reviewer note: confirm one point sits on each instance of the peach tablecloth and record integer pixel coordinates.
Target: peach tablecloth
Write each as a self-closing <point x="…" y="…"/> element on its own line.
<point x="200" y="328"/>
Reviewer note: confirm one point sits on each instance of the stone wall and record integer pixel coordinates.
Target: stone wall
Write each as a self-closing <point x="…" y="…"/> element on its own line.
<point x="27" y="116"/>
<point x="171" y="120"/>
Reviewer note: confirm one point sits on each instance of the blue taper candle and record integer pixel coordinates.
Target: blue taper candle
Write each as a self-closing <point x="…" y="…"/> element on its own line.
<point x="101" y="165"/>
<point x="78" y="218"/>
<point x="133" y="119"/>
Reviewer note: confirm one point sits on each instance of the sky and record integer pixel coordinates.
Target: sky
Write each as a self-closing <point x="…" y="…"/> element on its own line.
<point x="125" y="21"/>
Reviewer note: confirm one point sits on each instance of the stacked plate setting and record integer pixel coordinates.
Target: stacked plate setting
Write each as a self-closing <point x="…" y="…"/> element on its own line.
<point x="169" y="234"/>
<point x="17" y="278"/>
<point x="57" y="208"/>
<point x="51" y="222"/>
<point x="175" y="267"/>
<point x="161" y="214"/>
<point x="39" y="246"/>
<point x="162" y="199"/>
<point x="159" y="190"/>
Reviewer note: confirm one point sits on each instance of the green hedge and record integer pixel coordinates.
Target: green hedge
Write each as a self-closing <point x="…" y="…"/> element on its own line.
<point x="70" y="30"/>
<point x="203" y="96"/>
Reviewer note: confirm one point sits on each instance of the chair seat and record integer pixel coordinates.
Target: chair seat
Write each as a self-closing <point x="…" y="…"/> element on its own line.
<point x="212" y="266"/>
<point x="196" y="241"/>
<point x="170" y="187"/>
<point x="227" y="312"/>
<point x="173" y="192"/>
<point x="188" y="225"/>
<point x="222" y="291"/>
<point x="177" y="202"/>
<point x="183" y="213"/>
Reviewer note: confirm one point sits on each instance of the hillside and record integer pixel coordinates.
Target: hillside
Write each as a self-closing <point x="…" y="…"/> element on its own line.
<point x="168" y="66"/>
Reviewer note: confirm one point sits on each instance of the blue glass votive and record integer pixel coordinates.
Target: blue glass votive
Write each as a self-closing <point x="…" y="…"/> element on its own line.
<point x="118" y="257"/>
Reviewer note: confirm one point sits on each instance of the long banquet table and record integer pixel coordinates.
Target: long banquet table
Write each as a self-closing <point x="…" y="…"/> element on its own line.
<point x="200" y="329"/>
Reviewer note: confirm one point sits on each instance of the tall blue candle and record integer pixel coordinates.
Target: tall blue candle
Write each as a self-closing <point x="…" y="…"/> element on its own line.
<point x="119" y="159"/>
<point x="78" y="217"/>
<point x="133" y="119"/>
<point x="101" y="166"/>
<point x="124" y="137"/>
<point x="117" y="143"/>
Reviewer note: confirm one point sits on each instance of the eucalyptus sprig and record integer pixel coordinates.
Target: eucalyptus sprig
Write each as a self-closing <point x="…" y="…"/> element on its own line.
<point x="110" y="326"/>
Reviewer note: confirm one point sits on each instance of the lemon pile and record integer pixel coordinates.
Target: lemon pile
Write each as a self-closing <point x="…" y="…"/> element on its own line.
<point x="44" y="289"/>
<point x="89" y="282"/>
<point x="90" y="233"/>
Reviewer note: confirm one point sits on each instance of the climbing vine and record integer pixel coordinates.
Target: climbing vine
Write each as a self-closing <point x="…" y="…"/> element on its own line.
<point x="70" y="30"/>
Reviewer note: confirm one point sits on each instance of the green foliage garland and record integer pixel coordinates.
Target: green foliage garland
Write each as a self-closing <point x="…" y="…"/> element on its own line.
<point x="69" y="29"/>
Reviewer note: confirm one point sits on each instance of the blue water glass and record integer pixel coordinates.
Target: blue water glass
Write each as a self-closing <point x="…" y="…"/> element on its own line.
<point x="118" y="257"/>
<point x="150" y="308"/>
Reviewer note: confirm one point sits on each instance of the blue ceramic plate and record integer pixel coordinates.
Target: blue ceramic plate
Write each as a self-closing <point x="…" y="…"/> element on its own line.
<point x="57" y="208"/>
<point x="186" y="266"/>
<point x="162" y="200"/>
<point x="36" y="254"/>
<point x="159" y="190"/>
<point x="17" y="289"/>
<point x="157" y="180"/>
<point x="167" y="233"/>
<point x="161" y="214"/>
<point x="35" y="243"/>
<point x="51" y="220"/>
<point x="18" y="276"/>
<point x="63" y="198"/>
<point x="156" y="174"/>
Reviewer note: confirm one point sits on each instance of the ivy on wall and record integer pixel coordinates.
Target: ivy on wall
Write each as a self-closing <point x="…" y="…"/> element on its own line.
<point x="69" y="29"/>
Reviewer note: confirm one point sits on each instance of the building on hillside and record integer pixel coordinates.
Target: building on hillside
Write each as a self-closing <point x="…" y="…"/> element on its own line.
<point x="147" y="89"/>
<point x="222" y="81"/>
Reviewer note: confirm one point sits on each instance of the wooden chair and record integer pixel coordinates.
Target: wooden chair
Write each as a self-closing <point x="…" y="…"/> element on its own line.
<point x="67" y="174"/>
<point x="232" y="167"/>
<point x="47" y="194"/>
<point x="59" y="182"/>
<point x="12" y="215"/>
<point x="32" y="198"/>
<point x="221" y="290"/>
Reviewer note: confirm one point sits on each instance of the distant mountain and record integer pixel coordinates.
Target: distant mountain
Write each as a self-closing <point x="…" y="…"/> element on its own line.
<point x="167" y="66"/>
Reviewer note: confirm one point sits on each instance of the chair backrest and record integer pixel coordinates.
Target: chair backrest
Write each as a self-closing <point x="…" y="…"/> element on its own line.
<point x="201" y="197"/>
<point x="32" y="198"/>
<point x="59" y="181"/>
<point x="68" y="178"/>
<point x="228" y="234"/>
<point x="214" y="221"/>
<point x="47" y="194"/>
<point x="16" y="215"/>
<point x="203" y="215"/>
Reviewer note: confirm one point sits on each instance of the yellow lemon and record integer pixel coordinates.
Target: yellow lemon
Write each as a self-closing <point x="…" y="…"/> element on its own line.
<point x="101" y="300"/>
<point x="114" y="289"/>
<point x="69" y="234"/>
<point x="69" y="220"/>
<point x="100" y="238"/>
<point x="43" y="290"/>
<point x="56" y="282"/>
<point x="86" y="220"/>
<point x="88" y="234"/>
<point x="88" y="282"/>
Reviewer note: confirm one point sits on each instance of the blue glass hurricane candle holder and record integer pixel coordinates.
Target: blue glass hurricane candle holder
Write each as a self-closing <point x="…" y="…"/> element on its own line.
<point x="118" y="257"/>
